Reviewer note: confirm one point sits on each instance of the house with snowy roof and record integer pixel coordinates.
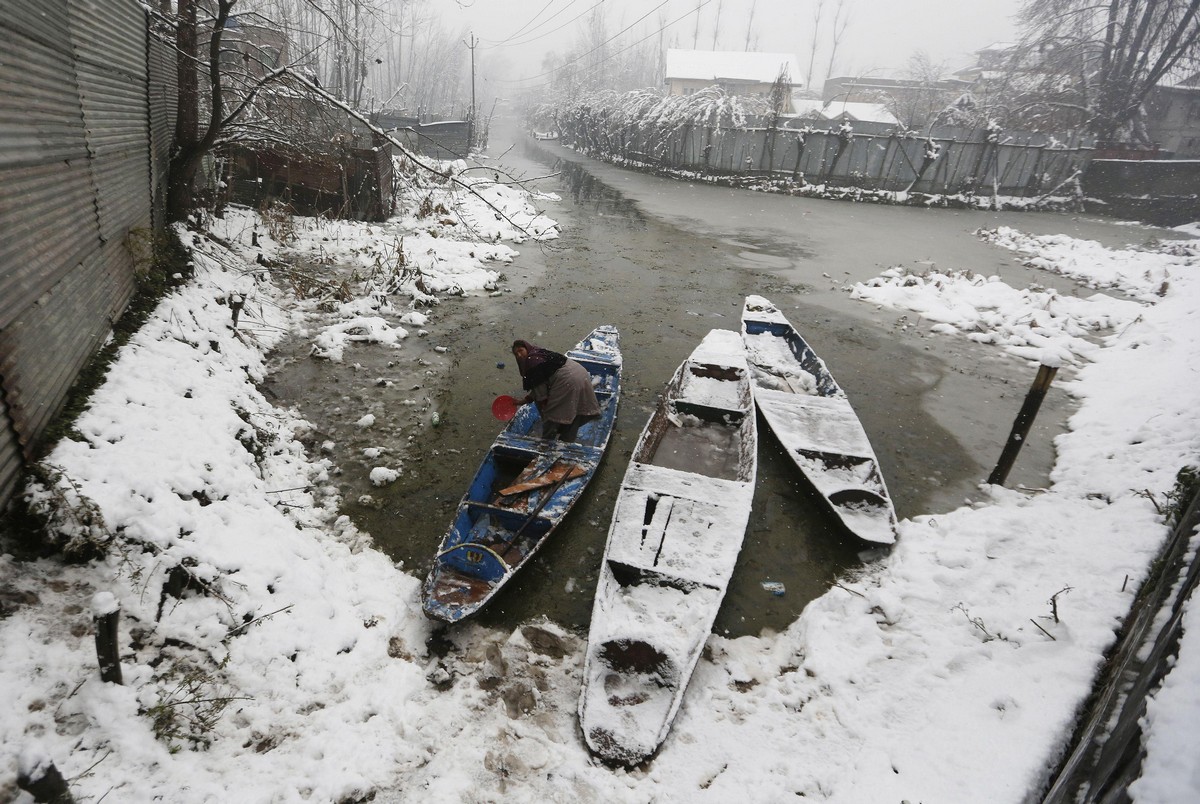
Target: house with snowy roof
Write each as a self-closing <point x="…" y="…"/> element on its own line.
<point x="850" y="111"/>
<point x="912" y="102"/>
<point x="738" y="72"/>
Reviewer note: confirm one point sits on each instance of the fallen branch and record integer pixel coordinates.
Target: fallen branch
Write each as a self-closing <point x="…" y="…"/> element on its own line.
<point x="245" y="625"/>
<point x="1057" y="187"/>
<point x="1043" y="630"/>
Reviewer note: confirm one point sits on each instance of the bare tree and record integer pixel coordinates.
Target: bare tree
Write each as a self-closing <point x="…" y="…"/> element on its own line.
<point x="841" y="20"/>
<point x="600" y="62"/>
<point x="1095" y="63"/>
<point x="750" y="24"/>
<point x="916" y="106"/>
<point x="717" y="24"/>
<point x="190" y="145"/>
<point x="778" y="101"/>
<point x="818" y="10"/>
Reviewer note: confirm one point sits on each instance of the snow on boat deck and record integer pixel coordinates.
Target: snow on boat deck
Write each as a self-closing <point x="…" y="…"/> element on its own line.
<point x="823" y="423"/>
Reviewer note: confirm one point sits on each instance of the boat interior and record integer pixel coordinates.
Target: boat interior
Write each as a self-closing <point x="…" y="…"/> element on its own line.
<point x="800" y="350"/>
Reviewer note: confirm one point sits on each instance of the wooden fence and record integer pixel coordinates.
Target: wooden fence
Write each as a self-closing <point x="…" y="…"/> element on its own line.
<point x="1013" y="165"/>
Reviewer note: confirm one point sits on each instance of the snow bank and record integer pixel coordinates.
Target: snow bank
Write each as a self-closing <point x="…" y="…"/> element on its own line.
<point x="270" y="655"/>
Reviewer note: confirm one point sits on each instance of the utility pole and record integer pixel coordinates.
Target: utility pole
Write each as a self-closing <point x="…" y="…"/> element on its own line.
<point x="471" y="117"/>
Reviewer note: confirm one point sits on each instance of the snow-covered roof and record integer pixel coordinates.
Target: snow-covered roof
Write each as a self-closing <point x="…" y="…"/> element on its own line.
<point x="839" y="110"/>
<point x="808" y="107"/>
<point x="855" y="110"/>
<point x="713" y="65"/>
<point x="1186" y="82"/>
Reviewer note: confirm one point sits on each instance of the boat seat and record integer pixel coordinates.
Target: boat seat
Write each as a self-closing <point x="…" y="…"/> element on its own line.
<point x="709" y="413"/>
<point x="505" y="517"/>
<point x="629" y="575"/>
<point x="857" y="497"/>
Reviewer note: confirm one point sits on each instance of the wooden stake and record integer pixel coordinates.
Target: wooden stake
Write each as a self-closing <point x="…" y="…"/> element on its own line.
<point x="106" y="614"/>
<point x="1024" y="421"/>
<point x="38" y="777"/>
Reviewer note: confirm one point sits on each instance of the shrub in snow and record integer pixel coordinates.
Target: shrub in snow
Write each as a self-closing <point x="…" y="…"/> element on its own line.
<point x="193" y="700"/>
<point x="68" y="518"/>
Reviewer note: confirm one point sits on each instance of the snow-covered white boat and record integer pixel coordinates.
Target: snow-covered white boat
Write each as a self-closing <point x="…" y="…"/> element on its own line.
<point x="677" y="528"/>
<point x="811" y="416"/>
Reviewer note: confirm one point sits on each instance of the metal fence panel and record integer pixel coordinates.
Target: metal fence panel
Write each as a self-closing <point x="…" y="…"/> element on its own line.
<point x="43" y="352"/>
<point x="110" y="46"/>
<point x="43" y="160"/>
<point x="874" y="156"/>
<point x="42" y="21"/>
<point x="161" y="87"/>
<point x="75" y="180"/>
<point x="11" y="459"/>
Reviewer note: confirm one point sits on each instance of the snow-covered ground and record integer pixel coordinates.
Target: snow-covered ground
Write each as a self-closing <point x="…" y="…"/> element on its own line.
<point x="294" y="663"/>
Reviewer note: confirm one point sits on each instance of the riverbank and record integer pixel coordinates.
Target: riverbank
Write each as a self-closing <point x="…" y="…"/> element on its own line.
<point x="293" y="664"/>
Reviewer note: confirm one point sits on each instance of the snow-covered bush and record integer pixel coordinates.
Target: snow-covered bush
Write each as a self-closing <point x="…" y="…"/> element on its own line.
<point x="643" y="120"/>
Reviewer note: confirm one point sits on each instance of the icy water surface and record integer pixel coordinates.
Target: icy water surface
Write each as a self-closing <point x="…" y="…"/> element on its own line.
<point x="666" y="261"/>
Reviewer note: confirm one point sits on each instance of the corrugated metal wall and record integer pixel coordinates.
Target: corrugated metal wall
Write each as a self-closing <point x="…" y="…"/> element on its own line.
<point x="163" y="93"/>
<point x="77" y="169"/>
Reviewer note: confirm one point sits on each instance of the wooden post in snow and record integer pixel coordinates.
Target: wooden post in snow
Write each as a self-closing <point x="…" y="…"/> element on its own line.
<point x="1024" y="420"/>
<point x="38" y="777"/>
<point x="106" y="614"/>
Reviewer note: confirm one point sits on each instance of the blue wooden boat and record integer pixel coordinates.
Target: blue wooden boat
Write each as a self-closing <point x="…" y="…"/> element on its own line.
<point x="811" y="416"/>
<point x="523" y="489"/>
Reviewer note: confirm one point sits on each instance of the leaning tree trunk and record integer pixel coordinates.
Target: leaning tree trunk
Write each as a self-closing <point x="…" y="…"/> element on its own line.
<point x="189" y="147"/>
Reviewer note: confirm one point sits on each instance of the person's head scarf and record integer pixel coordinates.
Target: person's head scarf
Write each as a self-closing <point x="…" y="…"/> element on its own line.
<point x="537" y="365"/>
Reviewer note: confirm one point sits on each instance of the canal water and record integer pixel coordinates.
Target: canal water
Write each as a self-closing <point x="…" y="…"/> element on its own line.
<point x="665" y="261"/>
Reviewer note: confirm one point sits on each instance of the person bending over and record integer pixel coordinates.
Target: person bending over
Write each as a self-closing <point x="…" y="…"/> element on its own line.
<point x="560" y="387"/>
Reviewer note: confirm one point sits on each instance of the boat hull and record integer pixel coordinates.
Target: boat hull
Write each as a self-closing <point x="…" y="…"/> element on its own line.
<point x="812" y="418"/>
<point x="677" y="529"/>
<point x="521" y="493"/>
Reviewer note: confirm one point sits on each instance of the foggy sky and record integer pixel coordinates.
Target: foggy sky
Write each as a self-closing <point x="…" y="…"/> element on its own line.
<point x="880" y="38"/>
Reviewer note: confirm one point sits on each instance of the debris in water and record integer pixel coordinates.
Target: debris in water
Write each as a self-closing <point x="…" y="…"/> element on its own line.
<point x="774" y="587"/>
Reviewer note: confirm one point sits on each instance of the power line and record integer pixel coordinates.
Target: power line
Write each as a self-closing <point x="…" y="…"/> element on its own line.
<point x="606" y="41"/>
<point x="554" y="30"/>
<point x="532" y="19"/>
<point x="631" y="45"/>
